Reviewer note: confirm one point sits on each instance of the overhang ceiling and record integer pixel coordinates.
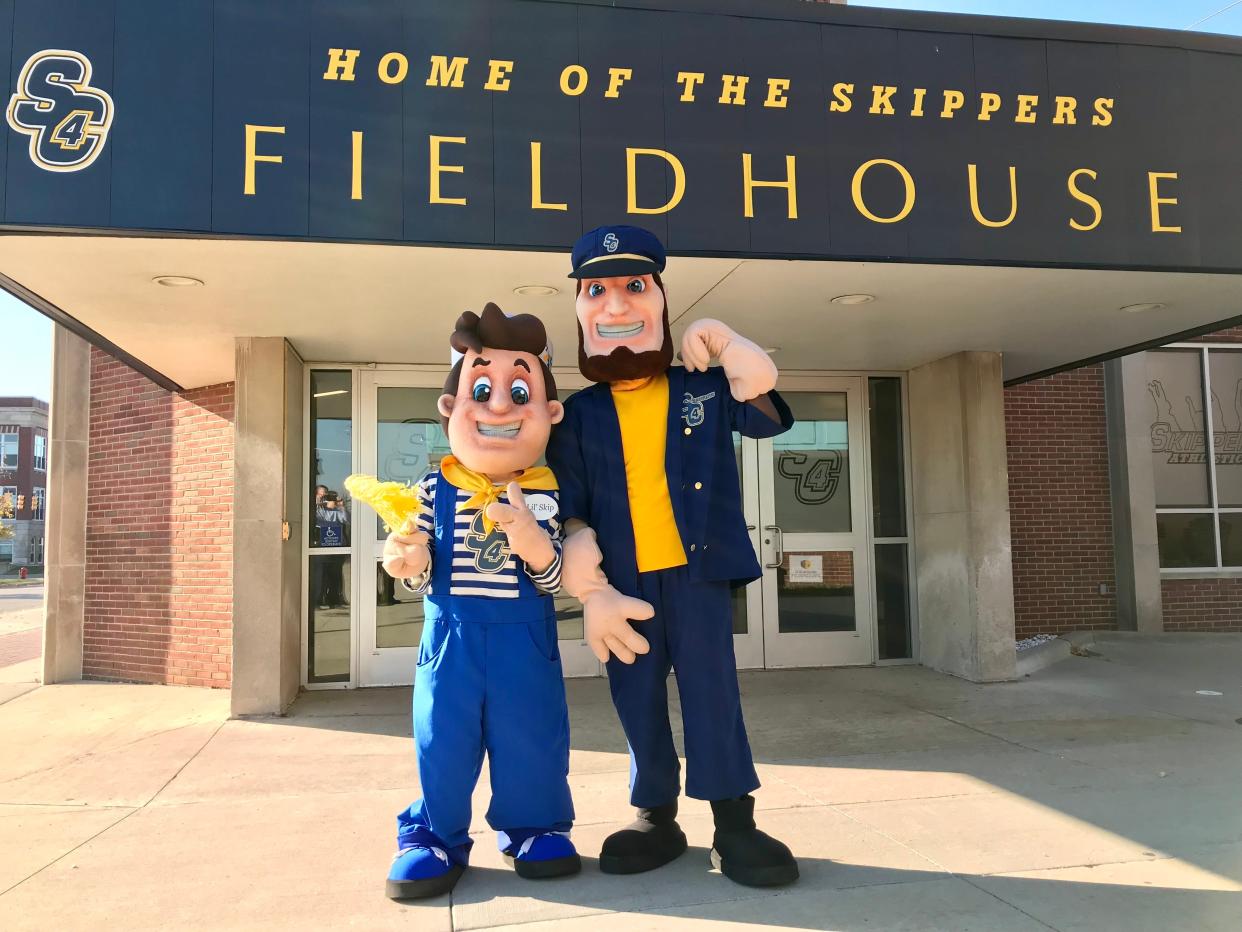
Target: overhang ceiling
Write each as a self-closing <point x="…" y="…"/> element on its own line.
<point x="396" y="304"/>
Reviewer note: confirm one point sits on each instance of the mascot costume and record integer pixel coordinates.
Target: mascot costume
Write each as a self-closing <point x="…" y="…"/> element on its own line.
<point x="486" y="551"/>
<point x="652" y="505"/>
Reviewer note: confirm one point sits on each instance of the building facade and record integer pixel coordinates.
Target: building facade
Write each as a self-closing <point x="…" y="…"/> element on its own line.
<point x="23" y="481"/>
<point x="984" y="254"/>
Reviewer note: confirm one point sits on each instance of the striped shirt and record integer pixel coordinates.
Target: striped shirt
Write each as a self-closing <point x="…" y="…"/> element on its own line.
<point x="482" y="563"/>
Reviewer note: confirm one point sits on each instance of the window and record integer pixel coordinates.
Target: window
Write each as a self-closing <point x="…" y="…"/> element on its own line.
<point x="40" y="452"/>
<point x="1196" y="399"/>
<point x="8" y="501"/>
<point x="331" y="451"/>
<point x="8" y="451"/>
<point x="37" y="504"/>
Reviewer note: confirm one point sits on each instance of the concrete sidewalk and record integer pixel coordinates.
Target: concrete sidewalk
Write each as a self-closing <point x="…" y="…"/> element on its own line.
<point x="1102" y="793"/>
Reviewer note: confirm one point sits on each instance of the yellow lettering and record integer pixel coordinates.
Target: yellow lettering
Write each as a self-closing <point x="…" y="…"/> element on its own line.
<point x="573" y="80"/>
<point x="1079" y="195"/>
<point x="341" y="64"/>
<point x="355" y="189"/>
<point x="882" y="99"/>
<point x="972" y="172"/>
<point x="498" y="75"/>
<point x="1065" y="111"/>
<point x="536" y="180"/>
<point x="790" y="184"/>
<point x="252" y="134"/>
<point x="733" y="89"/>
<point x="617" y="77"/>
<point x="689" y="80"/>
<point x="1153" y="187"/>
<point x="437" y="169"/>
<point x="919" y="94"/>
<point x="1103" y="111"/>
<point x="856" y="190"/>
<point x="953" y="101"/>
<point x="1026" y="108"/>
<point x="386" y="74"/>
<point x="776" y="93"/>
<point x="631" y="186"/>
<point x="841" y="98"/>
<point x="989" y="103"/>
<point x="445" y="73"/>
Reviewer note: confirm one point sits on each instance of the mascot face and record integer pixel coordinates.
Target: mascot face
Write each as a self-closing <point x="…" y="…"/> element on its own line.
<point x="500" y="418"/>
<point x="622" y="328"/>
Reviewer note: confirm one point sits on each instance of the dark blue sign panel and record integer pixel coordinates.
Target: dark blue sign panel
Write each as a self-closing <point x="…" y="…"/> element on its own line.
<point x="519" y="124"/>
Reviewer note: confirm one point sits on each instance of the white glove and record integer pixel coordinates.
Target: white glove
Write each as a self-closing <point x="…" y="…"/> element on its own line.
<point x="751" y="371"/>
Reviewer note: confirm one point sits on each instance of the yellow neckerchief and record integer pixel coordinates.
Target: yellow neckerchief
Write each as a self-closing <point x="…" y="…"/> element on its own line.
<point x="485" y="491"/>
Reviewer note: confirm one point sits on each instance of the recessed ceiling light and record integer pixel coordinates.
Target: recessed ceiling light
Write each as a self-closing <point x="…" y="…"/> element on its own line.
<point x="537" y="291"/>
<point x="853" y="299"/>
<point x="339" y="391"/>
<point x="1137" y="308"/>
<point x="176" y="281"/>
<point x="771" y="349"/>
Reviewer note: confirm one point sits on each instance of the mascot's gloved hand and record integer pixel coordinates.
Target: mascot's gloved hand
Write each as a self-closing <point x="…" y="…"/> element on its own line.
<point x="526" y="538"/>
<point x="406" y="555"/>
<point x="751" y="371"/>
<point x="606" y="611"/>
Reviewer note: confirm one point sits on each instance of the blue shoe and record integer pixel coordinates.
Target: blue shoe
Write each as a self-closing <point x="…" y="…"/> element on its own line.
<point x="421" y="871"/>
<point x="547" y="854"/>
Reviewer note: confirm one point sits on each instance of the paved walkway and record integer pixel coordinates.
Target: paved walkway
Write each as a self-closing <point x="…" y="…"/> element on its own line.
<point x="1102" y="793"/>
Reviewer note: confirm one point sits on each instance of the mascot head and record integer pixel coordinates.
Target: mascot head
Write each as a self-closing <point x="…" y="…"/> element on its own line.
<point x="499" y="401"/>
<point x="623" y="327"/>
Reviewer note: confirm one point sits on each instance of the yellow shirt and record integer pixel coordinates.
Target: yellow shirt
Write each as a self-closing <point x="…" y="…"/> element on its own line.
<point x="642" y="409"/>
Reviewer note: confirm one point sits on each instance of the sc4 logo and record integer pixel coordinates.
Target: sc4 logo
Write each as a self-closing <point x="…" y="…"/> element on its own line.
<point x="66" y="119"/>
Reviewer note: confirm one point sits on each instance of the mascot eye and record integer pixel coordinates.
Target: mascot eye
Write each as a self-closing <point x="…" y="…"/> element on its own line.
<point x="637" y="286"/>
<point x="595" y="289"/>
<point x="520" y="392"/>
<point x="482" y="391"/>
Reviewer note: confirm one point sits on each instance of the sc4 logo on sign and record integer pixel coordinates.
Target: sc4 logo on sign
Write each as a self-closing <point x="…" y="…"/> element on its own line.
<point x="66" y="119"/>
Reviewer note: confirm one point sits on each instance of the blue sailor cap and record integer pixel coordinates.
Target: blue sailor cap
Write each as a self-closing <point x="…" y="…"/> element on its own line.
<point x="617" y="250"/>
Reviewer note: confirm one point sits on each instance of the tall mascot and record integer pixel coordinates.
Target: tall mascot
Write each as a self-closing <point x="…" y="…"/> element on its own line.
<point x="666" y="552"/>
<point x="487" y="553"/>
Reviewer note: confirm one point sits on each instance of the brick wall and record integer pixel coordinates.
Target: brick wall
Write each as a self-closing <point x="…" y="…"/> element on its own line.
<point x="158" y="530"/>
<point x="1202" y="604"/>
<point x="1060" y="511"/>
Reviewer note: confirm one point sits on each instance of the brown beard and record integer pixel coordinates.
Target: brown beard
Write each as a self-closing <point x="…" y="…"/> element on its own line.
<point x="623" y="364"/>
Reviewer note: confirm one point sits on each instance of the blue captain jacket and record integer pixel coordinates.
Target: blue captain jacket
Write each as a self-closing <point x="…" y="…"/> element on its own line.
<point x="699" y="463"/>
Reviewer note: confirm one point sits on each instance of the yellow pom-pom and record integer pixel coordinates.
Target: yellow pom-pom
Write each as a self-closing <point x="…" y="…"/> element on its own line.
<point x="396" y="503"/>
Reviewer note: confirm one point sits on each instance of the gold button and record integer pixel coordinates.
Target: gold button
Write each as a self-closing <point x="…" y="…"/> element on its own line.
<point x="687" y="431"/>
<point x="692" y="548"/>
<point x="698" y="485"/>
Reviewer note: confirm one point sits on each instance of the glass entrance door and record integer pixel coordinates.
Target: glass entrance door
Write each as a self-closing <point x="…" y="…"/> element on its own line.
<point x="401" y="440"/>
<point x="806" y="494"/>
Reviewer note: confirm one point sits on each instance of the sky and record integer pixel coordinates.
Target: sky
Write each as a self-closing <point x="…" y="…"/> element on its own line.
<point x="26" y="336"/>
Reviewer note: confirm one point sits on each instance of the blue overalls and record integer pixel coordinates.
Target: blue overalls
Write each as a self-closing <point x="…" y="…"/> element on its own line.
<point x="692" y="630"/>
<point x="489" y="677"/>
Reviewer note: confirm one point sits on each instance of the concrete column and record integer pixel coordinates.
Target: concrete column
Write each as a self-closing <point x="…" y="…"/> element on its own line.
<point x="266" y="564"/>
<point x="1135" y="548"/>
<point x="961" y="517"/>
<point x="65" y="545"/>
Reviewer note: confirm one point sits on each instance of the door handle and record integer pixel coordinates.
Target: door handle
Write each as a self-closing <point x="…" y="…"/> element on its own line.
<point x="750" y="527"/>
<point x="780" y="546"/>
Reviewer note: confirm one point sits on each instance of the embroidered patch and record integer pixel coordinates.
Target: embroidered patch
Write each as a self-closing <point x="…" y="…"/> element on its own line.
<point x="692" y="411"/>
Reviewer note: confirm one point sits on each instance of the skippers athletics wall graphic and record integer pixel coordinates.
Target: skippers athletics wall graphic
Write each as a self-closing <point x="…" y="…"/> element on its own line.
<point x="517" y="124"/>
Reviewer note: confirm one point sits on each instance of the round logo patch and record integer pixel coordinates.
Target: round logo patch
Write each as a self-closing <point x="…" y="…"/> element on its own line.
<point x="542" y="507"/>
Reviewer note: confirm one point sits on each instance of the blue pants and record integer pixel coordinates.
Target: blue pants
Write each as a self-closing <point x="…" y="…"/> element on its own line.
<point x="494" y="687"/>
<point x="692" y="632"/>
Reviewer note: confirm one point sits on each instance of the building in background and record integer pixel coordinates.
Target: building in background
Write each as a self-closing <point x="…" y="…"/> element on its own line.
<point x="965" y="240"/>
<point x="23" y="479"/>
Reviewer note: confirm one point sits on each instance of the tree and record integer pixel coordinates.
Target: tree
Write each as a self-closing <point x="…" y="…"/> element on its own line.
<point x="6" y="511"/>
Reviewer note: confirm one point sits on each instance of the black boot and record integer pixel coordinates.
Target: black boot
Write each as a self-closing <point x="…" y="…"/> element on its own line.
<point x="650" y="841"/>
<point x="743" y="853"/>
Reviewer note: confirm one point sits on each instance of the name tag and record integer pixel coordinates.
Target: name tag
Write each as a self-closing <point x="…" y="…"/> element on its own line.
<point x="542" y="507"/>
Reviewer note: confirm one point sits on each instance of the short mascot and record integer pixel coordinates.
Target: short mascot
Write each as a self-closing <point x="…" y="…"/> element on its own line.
<point x="486" y="551"/>
<point x="651" y="503"/>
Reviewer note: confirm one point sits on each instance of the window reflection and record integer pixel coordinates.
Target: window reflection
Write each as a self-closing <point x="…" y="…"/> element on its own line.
<point x="331" y="446"/>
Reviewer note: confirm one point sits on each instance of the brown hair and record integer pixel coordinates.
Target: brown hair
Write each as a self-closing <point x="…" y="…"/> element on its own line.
<point x="522" y="333"/>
